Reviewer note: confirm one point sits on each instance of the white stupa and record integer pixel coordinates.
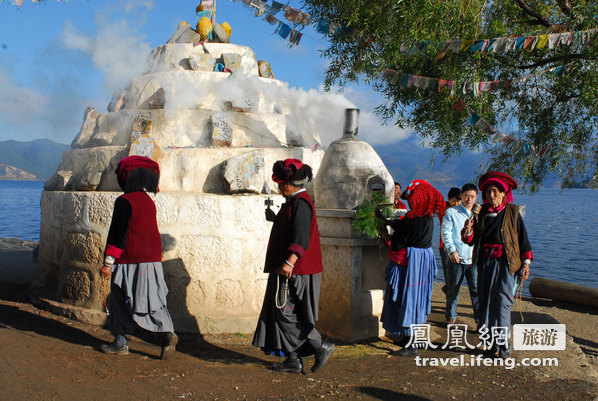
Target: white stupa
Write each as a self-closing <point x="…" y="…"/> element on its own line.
<point x="215" y="135"/>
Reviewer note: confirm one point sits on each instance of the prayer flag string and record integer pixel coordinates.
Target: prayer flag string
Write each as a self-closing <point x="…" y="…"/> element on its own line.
<point x="505" y="44"/>
<point x="405" y="80"/>
<point x="285" y="31"/>
<point x="517" y="146"/>
<point x="19" y="3"/>
<point x="549" y="41"/>
<point x="492" y="45"/>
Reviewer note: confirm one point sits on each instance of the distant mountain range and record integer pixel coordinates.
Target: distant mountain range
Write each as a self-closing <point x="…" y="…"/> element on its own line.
<point x="39" y="158"/>
<point x="406" y="161"/>
<point x="14" y="173"/>
<point x="589" y="182"/>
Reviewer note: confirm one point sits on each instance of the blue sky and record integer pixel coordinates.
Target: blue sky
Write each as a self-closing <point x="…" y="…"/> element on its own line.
<point x="58" y="57"/>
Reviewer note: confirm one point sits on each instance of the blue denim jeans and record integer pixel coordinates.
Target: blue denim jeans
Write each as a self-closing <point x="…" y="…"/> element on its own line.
<point x="444" y="258"/>
<point x="456" y="272"/>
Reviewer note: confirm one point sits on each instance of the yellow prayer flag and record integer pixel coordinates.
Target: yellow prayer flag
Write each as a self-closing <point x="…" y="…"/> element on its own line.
<point x="466" y="44"/>
<point x="542" y="41"/>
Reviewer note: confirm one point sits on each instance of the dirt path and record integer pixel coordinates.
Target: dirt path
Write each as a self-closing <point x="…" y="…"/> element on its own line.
<point x="47" y="357"/>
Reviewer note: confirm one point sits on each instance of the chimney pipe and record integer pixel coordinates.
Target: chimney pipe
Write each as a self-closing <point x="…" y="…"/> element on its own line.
<point x="351" y="122"/>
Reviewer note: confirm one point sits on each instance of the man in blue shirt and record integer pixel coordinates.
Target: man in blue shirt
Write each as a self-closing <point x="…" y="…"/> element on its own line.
<point x="460" y="264"/>
<point x="454" y="199"/>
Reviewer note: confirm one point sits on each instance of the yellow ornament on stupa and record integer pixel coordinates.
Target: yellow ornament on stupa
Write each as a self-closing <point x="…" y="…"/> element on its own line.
<point x="204" y="27"/>
<point x="182" y="24"/>
<point x="227" y="29"/>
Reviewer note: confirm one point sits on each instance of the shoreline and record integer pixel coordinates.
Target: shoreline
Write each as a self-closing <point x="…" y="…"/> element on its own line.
<point x="17" y="242"/>
<point x="22" y="179"/>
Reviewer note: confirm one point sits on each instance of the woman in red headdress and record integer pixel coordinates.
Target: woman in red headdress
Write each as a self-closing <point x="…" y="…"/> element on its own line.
<point x="503" y="254"/>
<point x="411" y="271"/>
<point x="286" y="326"/>
<point x="133" y="260"/>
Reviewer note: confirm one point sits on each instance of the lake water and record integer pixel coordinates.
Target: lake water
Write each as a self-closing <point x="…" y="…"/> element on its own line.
<point x="563" y="231"/>
<point x="562" y="226"/>
<point x="20" y="209"/>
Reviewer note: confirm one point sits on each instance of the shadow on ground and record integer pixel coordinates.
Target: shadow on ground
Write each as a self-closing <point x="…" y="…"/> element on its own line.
<point x="34" y="321"/>
<point x="389" y="395"/>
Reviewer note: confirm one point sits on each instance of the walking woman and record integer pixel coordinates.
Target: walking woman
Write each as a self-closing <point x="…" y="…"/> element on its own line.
<point x="286" y="326"/>
<point x="410" y="273"/>
<point x="133" y="258"/>
<point x="503" y="254"/>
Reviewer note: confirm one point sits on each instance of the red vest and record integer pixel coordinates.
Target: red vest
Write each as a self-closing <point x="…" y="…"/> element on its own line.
<point x="143" y="242"/>
<point x="280" y="241"/>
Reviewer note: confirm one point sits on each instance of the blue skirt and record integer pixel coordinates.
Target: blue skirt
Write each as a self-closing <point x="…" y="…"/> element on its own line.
<point x="408" y="295"/>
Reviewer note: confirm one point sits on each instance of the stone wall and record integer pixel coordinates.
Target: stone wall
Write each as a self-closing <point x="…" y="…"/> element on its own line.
<point x="351" y="298"/>
<point x="213" y="253"/>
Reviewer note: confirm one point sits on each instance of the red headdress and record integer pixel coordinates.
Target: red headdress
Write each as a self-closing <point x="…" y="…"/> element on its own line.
<point x="290" y="170"/>
<point x="146" y="174"/>
<point x="423" y="199"/>
<point x="503" y="181"/>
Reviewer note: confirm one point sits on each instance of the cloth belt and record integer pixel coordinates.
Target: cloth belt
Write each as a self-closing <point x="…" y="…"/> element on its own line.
<point x="492" y="251"/>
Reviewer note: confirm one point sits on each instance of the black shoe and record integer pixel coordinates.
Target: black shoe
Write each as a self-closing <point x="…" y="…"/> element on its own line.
<point x="402" y="341"/>
<point x="443" y="288"/>
<point x="114" y="349"/>
<point x="407" y="351"/>
<point x="504" y="353"/>
<point x="169" y="345"/>
<point x="322" y="354"/>
<point x="290" y="366"/>
<point x="490" y="353"/>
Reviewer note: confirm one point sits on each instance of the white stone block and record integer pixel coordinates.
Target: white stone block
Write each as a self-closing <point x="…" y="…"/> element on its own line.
<point x="244" y="173"/>
<point x="167" y="57"/>
<point x="222" y="132"/>
<point x="87" y="129"/>
<point x="202" y="62"/>
<point x="100" y="208"/>
<point x="230" y="293"/>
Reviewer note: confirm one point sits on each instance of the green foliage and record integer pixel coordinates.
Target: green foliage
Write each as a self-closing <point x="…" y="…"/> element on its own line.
<point x="370" y="216"/>
<point x="560" y="112"/>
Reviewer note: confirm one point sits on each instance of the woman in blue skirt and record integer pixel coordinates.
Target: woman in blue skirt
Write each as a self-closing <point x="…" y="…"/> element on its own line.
<point x="410" y="273"/>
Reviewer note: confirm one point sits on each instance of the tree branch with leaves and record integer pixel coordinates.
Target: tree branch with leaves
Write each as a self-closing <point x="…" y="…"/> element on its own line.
<point x="548" y="111"/>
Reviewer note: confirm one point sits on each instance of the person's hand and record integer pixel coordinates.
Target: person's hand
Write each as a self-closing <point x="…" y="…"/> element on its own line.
<point x="524" y="273"/>
<point x="105" y="271"/>
<point x="285" y="270"/>
<point x="468" y="226"/>
<point x="270" y="215"/>
<point x="383" y="233"/>
<point x="454" y="257"/>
